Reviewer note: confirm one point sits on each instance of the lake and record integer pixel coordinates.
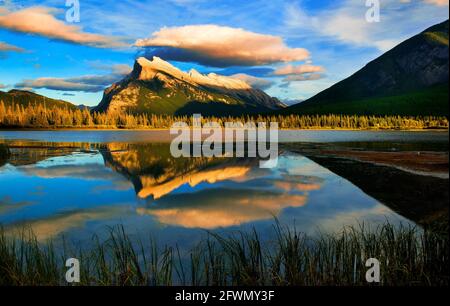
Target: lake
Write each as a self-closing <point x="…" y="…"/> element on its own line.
<point x="78" y="183"/>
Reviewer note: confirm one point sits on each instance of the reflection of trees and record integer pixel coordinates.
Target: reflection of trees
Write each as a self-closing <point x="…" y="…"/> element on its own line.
<point x="28" y="152"/>
<point x="423" y="199"/>
<point x="4" y="154"/>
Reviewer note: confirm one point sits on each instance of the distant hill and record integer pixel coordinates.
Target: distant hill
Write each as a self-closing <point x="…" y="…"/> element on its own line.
<point x="410" y="79"/>
<point x="25" y="98"/>
<point x="157" y="87"/>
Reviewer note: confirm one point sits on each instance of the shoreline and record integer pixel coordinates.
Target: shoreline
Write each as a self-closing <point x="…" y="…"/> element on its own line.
<point x="168" y="129"/>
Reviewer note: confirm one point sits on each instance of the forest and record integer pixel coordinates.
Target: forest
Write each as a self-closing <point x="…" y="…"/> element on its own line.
<point x="38" y="116"/>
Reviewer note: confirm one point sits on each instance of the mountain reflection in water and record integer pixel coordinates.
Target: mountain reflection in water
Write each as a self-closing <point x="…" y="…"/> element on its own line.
<point x="78" y="188"/>
<point x="248" y="194"/>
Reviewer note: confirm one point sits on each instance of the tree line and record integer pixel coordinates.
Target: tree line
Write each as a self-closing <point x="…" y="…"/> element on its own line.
<point x="39" y="116"/>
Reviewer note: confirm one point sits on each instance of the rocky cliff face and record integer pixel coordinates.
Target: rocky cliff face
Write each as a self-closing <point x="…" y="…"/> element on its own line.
<point x="419" y="62"/>
<point x="158" y="87"/>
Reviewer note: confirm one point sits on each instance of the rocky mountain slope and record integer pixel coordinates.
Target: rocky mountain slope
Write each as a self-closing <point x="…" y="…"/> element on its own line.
<point x="157" y="87"/>
<point x="410" y="79"/>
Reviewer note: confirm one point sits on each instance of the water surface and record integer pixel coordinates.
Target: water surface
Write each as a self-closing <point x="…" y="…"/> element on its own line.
<point x="284" y="136"/>
<point x="77" y="183"/>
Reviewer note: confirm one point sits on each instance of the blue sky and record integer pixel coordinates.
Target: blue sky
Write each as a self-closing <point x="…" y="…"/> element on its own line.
<point x="292" y="49"/>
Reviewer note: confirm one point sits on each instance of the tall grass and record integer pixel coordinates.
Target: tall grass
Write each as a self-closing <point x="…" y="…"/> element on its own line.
<point x="408" y="256"/>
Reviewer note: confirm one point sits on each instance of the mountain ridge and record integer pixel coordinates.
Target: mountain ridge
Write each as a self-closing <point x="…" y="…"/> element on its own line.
<point x="158" y="87"/>
<point x="409" y="79"/>
<point x="147" y="70"/>
<point x="25" y="97"/>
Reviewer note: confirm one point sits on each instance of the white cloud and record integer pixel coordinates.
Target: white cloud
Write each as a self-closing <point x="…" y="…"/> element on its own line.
<point x="300" y="69"/>
<point x="346" y="23"/>
<point x="41" y="21"/>
<point x="259" y="83"/>
<point x="87" y="83"/>
<point x="438" y="2"/>
<point x="121" y="69"/>
<point x="58" y="84"/>
<point x="434" y="2"/>
<point x="220" y="46"/>
<point x="299" y="73"/>
<point x="303" y="77"/>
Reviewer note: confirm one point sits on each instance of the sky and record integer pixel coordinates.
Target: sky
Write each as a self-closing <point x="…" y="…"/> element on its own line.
<point x="74" y="49"/>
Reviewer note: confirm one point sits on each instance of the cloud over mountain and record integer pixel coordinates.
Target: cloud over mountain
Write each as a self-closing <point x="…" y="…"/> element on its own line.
<point x="40" y="20"/>
<point x="253" y="81"/>
<point x="219" y="46"/>
<point x="300" y="69"/>
<point x="303" y="77"/>
<point x="87" y="83"/>
<point x="299" y="73"/>
<point x="346" y="22"/>
<point x="58" y="84"/>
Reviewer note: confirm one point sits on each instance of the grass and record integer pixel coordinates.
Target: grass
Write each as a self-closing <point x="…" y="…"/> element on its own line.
<point x="407" y="255"/>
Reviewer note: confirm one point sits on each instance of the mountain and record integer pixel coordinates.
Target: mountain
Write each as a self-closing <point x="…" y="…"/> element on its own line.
<point x="410" y="79"/>
<point x="23" y="97"/>
<point x="155" y="173"/>
<point x="157" y="87"/>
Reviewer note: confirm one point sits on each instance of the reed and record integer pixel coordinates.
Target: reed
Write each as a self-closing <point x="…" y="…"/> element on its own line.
<point x="408" y="257"/>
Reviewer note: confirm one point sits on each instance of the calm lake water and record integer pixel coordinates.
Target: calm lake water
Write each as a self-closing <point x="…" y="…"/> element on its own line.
<point x="77" y="183"/>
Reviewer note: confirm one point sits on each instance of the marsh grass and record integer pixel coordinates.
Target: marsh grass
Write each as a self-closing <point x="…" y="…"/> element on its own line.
<point x="408" y="257"/>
